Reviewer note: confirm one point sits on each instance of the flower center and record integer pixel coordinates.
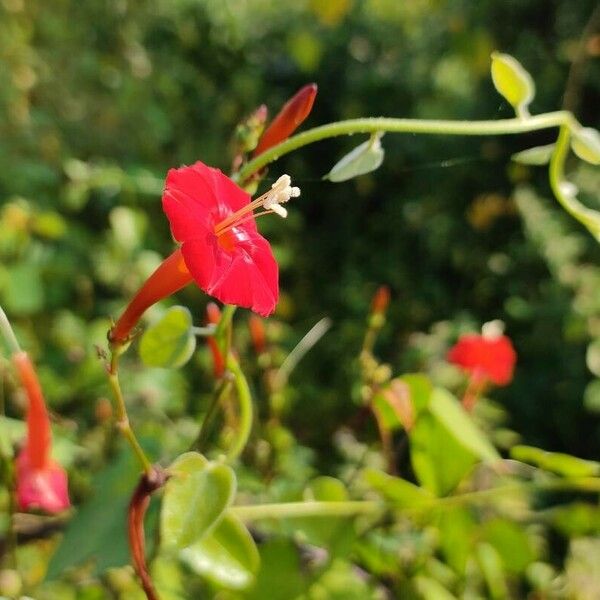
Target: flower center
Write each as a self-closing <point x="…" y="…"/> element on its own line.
<point x="281" y="191"/>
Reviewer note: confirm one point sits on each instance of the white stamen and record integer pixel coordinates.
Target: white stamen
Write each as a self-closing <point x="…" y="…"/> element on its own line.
<point x="281" y="192"/>
<point x="492" y="330"/>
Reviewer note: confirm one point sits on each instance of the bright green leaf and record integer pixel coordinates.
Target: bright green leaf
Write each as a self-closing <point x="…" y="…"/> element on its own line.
<point x="431" y="589"/>
<point x="399" y="492"/>
<point x="586" y="144"/>
<point x="539" y="155"/>
<point x="228" y="556"/>
<point x="420" y="390"/>
<point x="365" y="158"/>
<point x="24" y="294"/>
<point x="439" y="461"/>
<point x="195" y="499"/>
<point x="511" y="542"/>
<point x="491" y="566"/>
<point x="448" y="410"/>
<point x="513" y="82"/>
<point x="557" y="462"/>
<point x="326" y="489"/>
<point x="171" y="342"/>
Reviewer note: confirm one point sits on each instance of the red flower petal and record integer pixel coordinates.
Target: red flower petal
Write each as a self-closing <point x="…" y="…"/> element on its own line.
<point x="237" y="267"/>
<point x="490" y="359"/>
<point x="42" y="488"/>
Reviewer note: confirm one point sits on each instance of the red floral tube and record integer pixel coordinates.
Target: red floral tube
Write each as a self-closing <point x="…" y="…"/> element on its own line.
<point x="170" y="276"/>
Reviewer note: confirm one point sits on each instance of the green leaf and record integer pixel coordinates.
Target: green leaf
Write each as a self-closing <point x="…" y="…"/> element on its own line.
<point x="365" y="158"/>
<point x="326" y="489"/>
<point x="511" y="542"/>
<point x="439" y="461"/>
<point x="432" y="589"/>
<point x="104" y="514"/>
<point x="420" y="390"/>
<point x="586" y="144"/>
<point x="281" y="575"/>
<point x="557" y="462"/>
<point x="513" y="82"/>
<point x="493" y="571"/>
<point x="399" y="492"/>
<point x="169" y="343"/>
<point x="539" y="155"/>
<point x="24" y="294"/>
<point x="448" y="410"/>
<point x="195" y="499"/>
<point x="228" y="556"/>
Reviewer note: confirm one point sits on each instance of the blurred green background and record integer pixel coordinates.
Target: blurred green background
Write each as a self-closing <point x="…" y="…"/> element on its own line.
<point x="99" y="99"/>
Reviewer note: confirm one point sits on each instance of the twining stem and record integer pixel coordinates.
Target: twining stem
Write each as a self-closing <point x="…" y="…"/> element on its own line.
<point x="221" y="391"/>
<point x="423" y="126"/>
<point x="245" y="408"/>
<point x="122" y="418"/>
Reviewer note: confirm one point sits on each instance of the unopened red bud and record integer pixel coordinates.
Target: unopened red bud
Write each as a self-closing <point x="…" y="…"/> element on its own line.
<point x="289" y="118"/>
<point x="381" y="300"/>
<point x="257" y="333"/>
<point x="213" y="313"/>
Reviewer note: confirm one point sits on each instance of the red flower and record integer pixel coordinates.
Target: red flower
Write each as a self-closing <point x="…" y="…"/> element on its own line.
<point x="41" y="482"/>
<point x="485" y="357"/>
<point x="221" y="249"/>
<point x="289" y="118"/>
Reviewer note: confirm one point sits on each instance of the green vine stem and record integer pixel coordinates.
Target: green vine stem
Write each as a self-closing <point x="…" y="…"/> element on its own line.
<point x="121" y="417"/>
<point x="354" y="508"/>
<point x="383" y="124"/>
<point x="245" y="407"/>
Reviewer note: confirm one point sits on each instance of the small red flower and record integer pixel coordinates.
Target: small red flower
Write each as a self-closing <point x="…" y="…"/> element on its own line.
<point x="41" y="482"/>
<point x="221" y="249"/>
<point x="485" y="357"/>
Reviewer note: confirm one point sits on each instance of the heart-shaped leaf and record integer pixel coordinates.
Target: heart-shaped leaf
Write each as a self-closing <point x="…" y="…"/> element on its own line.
<point x="539" y="155"/>
<point x="365" y="158"/>
<point x="228" y="556"/>
<point x="171" y="342"/>
<point x="586" y="144"/>
<point x="513" y="82"/>
<point x="196" y="497"/>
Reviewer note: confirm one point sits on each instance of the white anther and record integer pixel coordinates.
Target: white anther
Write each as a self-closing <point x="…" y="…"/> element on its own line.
<point x="492" y="330"/>
<point x="281" y="192"/>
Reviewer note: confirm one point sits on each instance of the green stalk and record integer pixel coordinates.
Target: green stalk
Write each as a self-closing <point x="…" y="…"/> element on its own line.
<point x="423" y="126"/>
<point x="245" y="407"/>
<point x="286" y="510"/>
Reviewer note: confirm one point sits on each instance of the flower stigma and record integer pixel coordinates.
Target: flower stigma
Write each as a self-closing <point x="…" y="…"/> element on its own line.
<point x="281" y="191"/>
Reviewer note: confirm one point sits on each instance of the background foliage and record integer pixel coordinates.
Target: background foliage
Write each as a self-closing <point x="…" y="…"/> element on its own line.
<point x="99" y="99"/>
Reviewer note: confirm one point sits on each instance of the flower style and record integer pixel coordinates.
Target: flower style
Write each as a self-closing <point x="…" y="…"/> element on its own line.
<point x="41" y="482"/>
<point x="221" y="250"/>
<point x="487" y="357"/>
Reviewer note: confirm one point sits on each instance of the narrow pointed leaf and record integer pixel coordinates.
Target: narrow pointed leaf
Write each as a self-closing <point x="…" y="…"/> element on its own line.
<point x="557" y="462"/>
<point x="171" y="342"/>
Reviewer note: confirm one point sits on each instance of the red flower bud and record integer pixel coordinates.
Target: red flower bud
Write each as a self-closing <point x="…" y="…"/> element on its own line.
<point x="257" y="333"/>
<point x="213" y="313"/>
<point x="381" y="300"/>
<point x="289" y="118"/>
